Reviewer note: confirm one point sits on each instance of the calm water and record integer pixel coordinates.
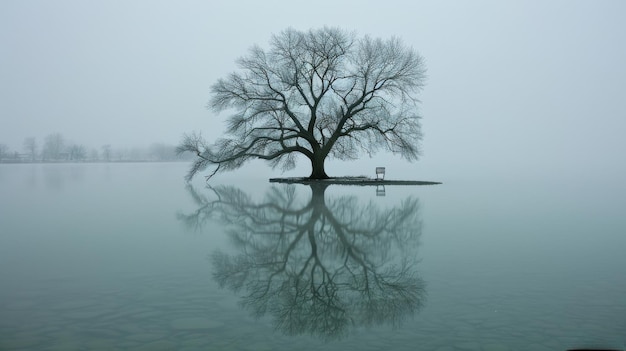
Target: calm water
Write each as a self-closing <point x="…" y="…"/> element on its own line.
<point x="127" y="257"/>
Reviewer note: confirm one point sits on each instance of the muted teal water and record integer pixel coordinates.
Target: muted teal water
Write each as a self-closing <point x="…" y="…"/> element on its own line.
<point x="126" y="257"/>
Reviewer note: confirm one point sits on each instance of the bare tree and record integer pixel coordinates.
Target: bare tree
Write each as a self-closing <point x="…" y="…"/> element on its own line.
<point x="320" y="93"/>
<point x="4" y="152"/>
<point x="162" y="152"/>
<point x="106" y="152"/>
<point x="53" y="147"/>
<point x="30" y="147"/>
<point x="93" y="154"/>
<point x="77" y="152"/>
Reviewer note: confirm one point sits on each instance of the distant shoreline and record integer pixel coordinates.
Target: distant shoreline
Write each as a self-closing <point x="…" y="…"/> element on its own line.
<point x="86" y="162"/>
<point x="363" y="181"/>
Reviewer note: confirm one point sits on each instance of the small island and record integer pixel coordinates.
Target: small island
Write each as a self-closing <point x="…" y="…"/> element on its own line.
<point x="350" y="181"/>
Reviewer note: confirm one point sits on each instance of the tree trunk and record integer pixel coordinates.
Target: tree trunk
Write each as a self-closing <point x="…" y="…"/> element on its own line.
<point x="317" y="195"/>
<point x="317" y="167"/>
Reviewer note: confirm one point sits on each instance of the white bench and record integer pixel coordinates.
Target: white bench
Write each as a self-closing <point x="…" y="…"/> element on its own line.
<point x="380" y="170"/>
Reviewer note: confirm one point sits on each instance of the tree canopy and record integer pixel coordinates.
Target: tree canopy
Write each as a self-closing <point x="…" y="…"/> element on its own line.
<point x="319" y="93"/>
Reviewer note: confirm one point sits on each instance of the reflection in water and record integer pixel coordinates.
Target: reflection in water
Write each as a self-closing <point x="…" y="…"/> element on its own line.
<point x="57" y="175"/>
<point x="317" y="267"/>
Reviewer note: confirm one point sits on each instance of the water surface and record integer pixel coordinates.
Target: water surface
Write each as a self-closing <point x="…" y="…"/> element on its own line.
<point x="128" y="257"/>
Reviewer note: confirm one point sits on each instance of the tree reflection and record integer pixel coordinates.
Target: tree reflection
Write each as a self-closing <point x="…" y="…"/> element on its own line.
<point x="318" y="266"/>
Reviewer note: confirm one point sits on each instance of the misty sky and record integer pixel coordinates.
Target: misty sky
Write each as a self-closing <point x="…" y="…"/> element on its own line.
<point x="513" y="86"/>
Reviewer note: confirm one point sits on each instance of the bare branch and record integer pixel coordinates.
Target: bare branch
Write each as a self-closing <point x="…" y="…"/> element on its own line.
<point x="319" y="93"/>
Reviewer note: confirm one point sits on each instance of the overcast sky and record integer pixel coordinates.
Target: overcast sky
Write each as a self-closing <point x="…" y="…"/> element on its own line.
<point x="512" y="85"/>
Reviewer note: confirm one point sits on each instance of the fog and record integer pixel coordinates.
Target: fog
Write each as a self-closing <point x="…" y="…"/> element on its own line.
<point x="516" y="88"/>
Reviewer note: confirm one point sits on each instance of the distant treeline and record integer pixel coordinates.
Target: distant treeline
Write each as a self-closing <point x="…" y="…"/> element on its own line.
<point x="55" y="148"/>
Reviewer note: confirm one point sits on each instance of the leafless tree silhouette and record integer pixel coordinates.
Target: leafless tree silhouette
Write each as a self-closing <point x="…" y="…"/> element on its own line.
<point x="318" y="93"/>
<point x="320" y="266"/>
